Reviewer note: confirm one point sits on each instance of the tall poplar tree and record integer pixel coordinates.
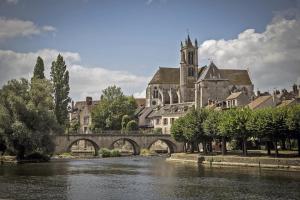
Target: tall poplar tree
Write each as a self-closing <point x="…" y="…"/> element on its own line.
<point x="39" y="69"/>
<point x="60" y="78"/>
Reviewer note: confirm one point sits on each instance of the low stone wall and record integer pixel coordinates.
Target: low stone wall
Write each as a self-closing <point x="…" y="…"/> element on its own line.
<point x="263" y="162"/>
<point x="8" y="159"/>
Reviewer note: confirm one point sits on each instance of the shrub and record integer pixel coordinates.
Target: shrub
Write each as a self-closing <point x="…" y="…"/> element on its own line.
<point x="147" y="152"/>
<point x="157" y="131"/>
<point x="132" y="126"/>
<point x="104" y="152"/>
<point x="37" y="156"/>
<point x="115" y="153"/>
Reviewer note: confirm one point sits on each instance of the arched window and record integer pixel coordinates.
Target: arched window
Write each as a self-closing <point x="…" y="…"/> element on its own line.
<point x="155" y="93"/>
<point x="190" y="58"/>
<point x="191" y="71"/>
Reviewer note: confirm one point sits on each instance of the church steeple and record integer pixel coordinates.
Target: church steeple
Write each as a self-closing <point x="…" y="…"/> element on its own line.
<point x="188" y="69"/>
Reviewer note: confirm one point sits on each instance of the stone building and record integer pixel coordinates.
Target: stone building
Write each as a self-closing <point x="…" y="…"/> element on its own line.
<point x="190" y="85"/>
<point x="81" y="111"/>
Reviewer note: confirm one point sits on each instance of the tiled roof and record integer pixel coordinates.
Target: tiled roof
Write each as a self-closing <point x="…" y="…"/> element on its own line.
<point x="287" y="102"/>
<point x="258" y="101"/>
<point x="166" y="75"/>
<point x="234" y="95"/>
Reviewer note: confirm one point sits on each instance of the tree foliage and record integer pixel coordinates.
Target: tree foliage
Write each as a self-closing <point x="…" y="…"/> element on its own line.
<point x="60" y="79"/>
<point x="26" y="126"/>
<point x="108" y="114"/>
<point x="38" y="72"/>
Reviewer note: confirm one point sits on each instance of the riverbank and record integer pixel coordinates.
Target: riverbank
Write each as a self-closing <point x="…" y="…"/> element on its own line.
<point x="235" y="160"/>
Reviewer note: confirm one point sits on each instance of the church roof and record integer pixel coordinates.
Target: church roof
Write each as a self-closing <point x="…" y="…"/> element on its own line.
<point x="235" y="76"/>
<point x="166" y="75"/>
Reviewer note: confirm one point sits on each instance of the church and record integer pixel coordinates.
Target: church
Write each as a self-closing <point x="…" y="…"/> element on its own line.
<point x="173" y="91"/>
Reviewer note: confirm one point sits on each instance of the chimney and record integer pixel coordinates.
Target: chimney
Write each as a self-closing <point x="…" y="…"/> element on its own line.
<point x="72" y="105"/>
<point x="89" y="101"/>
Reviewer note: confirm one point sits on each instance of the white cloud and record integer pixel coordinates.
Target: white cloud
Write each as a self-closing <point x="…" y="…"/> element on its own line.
<point x="11" y="28"/>
<point x="273" y="56"/>
<point x="84" y="81"/>
<point x="12" y="1"/>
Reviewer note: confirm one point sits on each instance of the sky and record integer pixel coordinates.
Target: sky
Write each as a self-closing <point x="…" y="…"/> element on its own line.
<point x="123" y="42"/>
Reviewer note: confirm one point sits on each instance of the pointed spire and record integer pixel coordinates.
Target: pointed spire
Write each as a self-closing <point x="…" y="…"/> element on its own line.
<point x="181" y="44"/>
<point x="196" y="43"/>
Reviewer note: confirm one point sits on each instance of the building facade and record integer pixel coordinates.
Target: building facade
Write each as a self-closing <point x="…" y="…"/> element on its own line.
<point x="189" y="86"/>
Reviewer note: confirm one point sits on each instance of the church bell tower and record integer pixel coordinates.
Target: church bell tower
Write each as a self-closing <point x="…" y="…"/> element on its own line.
<point x="188" y="70"/>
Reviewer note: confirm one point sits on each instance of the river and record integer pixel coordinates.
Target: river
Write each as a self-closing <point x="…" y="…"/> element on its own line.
<point x="142" y="178"/>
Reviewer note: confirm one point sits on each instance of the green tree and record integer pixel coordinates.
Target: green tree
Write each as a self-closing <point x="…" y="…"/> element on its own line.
<point x="107" y="115"/>
<point x="27" y="126"/>
<point x="177" y="131"/>
<point x="132" y="126"/>
<point x="39" y="69"/>
<point x="75" y="125"/>
<point x="189" y="128"/>
<point x="125" y="120"/>
<point x="293" y="123"/>
<point x="212" y="128"/>
<point x="60" y="79"/>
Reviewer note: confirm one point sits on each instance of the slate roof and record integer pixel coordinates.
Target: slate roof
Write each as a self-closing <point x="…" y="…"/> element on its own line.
<point x="258" y="101"/>
<point x="236" y="76"/>
<point x="166" y="75"/>
<point x="234" y="95"/>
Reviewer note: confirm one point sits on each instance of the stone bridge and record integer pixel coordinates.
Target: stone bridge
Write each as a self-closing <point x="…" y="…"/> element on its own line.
<point x="63" y="143"/>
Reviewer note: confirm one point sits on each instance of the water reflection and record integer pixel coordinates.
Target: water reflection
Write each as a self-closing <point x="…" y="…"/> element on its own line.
<point x="142" y="178"/>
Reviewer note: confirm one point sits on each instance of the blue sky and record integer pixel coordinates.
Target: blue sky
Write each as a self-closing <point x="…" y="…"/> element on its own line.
<point x="134" y="36"/>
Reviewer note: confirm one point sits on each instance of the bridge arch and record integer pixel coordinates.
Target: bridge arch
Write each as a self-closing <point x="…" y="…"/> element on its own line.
<point x="172" y="147"/>
<point x="135" y="146"/>
<point x="95" y="145"/>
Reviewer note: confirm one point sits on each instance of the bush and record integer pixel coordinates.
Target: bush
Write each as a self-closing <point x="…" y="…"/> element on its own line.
<point x="157" y="131"/>
<point x="37" y="156"/>
<point x="115" y="153"/>
<point x="147" y="152"/>
<point x="132" y="126"/>
<point x="104" y="152"/>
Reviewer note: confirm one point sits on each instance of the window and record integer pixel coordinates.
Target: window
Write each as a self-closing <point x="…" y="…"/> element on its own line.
<point x="157" y="121"/>
<point x="165" y="121"/>
<point x="86" y="120"/>
<point x="191" y="71"/>
<point x="155" y="93"/>
<point x="190" y="58"/>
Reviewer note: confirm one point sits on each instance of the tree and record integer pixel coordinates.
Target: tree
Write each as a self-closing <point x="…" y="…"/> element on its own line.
<point x="189" y="128"/>
<point x="75" y="125"/>
<point x="293" y="123"/>
<point x="212" y="128"/>
<point x="125" y="120"/>
<point x="60" y="79"/>
<point x="177" y="131"/>
<point x="108" y="114"/>
<point x="26" y="127"/>
<point x="39" y="68"/>
<point x="132" y="126"/>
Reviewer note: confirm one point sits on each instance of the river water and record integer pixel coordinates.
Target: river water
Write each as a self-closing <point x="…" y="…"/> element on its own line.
<point x="142" y="178"/>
